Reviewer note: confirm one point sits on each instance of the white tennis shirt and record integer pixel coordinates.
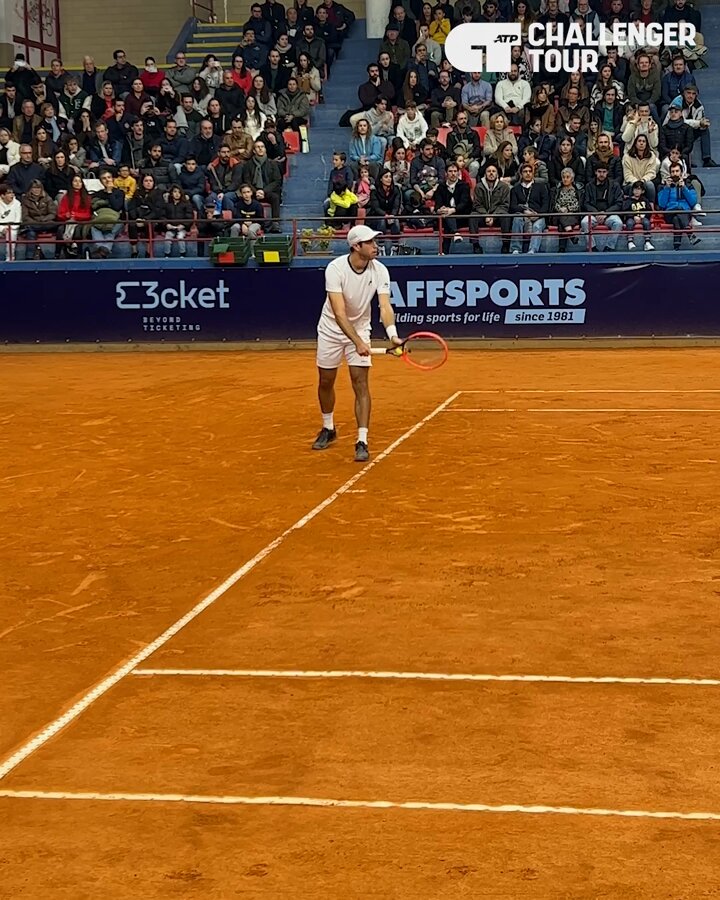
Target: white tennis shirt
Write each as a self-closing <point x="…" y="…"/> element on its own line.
<point x="358" y="291"/>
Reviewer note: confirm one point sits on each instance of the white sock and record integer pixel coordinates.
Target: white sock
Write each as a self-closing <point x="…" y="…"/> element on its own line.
<point x="328" y="421"/>
<point x="362" y="435"/>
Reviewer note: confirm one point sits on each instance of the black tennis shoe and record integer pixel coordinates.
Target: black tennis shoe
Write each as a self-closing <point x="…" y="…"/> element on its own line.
<point x="325" y="437"/>
<point x="362" y="454"/>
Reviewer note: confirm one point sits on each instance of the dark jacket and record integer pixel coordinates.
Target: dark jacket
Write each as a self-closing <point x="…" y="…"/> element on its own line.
<point x="38" y="211"/>
<point x="177" y="213"/>
<point x="614" y="164"/>
<point x="271" y="178"/>
<point x="203" y="150"/>
<point x="59" y="180"/>
<point x="231" y="100"/>
<point x="368" y="93"/>
<point x="147" y="206"/>
<point x="543" y="143"/>
<point x="175" y="150"/>
<point x="383" y="204"/>
<point x="114" y="199"/>
<point x="275" y="79"/>
<point x="536" y="197"/>
<point x="192" y="182"/>
<point x="112" y="148"/>
<point x="495" y="202"/>
<point x="160" y="171"/>
<point x="603" y="198"/>
<point x="556" y="165"/>
<point x="459" y="198"/>
<point x="21" y="174"/>
<point x="681" y="135"/>
<point x="121" y="79"/>
<point x="248" y="212"/>
<point x="468" y="136"/>
<point x="23" y="79"/>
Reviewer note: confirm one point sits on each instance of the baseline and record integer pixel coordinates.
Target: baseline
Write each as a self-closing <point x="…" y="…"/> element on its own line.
<point x="357" y="804"/>
<point x="422" y="676"/>
<point x="50" y="730"/>
<point x="579" y="409"/>
<point x="595" y="391"/>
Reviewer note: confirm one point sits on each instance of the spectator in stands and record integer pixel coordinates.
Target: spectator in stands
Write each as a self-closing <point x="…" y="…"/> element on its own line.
<point x="108" y="210"/>
<point x="210" y="226"/>
<point x="677" y="200"/>
<point x="127" y="184"/>
<point x="340" y="172"/>
<point x="175" y="148"/>
<point x="407" y="28"/>
<point x="506" y="162"/>
<point x="261" y="27"/>
<point x="537" y="138"/>
<point x="239" y="142"/>
<point x="573" y="130"/>
<point x="453" y="205"/>
<point x="675" y="131"/>
<point x="10" y="106"/>
<point x="440" y="26"/>
<point x="465" y="141"/>
<point x="611" y="113"/>
<point x="477" y="98"/>
<point x="167" y="100"/>
<point x="365" y="149"/>
<point x="603" y="200"/>
<point x="121" y="75"/>
<point x="76" y="154"/>
<point x="181" y="75"/>
<point x="273" y="12"/>
<point x="413" y="92"/>
<point x="38" y="217"/>
<point x="435" y="51"/>
<point x="56" y="78"/>
<point x="55" y="125"/>
<point x="215" y="114"/>
<point x="497" y="133"/>
<point x="638" y="211"/>
<point x="275" y="75"/>
<point x="211" y="72"/>
<point x="286" y="51"/>
<point x="293" y="106"/>
<point x="74" y="99"/>
<point x="640" y="164"/>
<point x="396" y="48"/>
<point x="146" y="207"/>
<point x="567" y="203"/>
<point x="102" y="104"/>
<point x="512" y="95"/>
<point x="23" y="173"/>
<point x="177" y="218"/>
<point x="529" y="204"/>
<point x="84" y="130"/>
<point x="253" y="119"/>
<point x="604" y="156"/>
<point x="244" y="206"/>
<point x="490" y="208"/>
<point x="312" y="46"/>
<point x="427" y="71"/>
<point x="102" y="153"/>
<point x="411" y="127"/>
<point x="263" y="97"/>
<point x="206" y="145"/>
<point x="192" y="180"/>
<point x="264" y="176"/>
<point x="639" y="121"/>
<point x="694" y="115"/>
<point x="390" y="75"/>
<point x="427" y="171"/>
<point x="572" y="105"/>
<point x="644" y="82"/>
<point x="490" y="13"/>
<point x="43" y="147"/>
<point x="341" y="207"/>
<point x="42" y="95"/>
<point x="138" y="98"/>
<point x="566" y="157"/>
<point x="679" y="11"/>
<point x="75" y="208"/>
<point x="328" y="34"/>
<point x="200" y="93"/>
<point x="152" y="77"/>
<point x="605" y="80"/>
<point x="188" y="118"/>
<point x="274" y="144"/>
<point x="9" y="152"/>
<point x="292" y="26"/>
<point x="22" y="77"/>
<point x="307" y="77"/>
<point x="253" y="54"/>
<point x="223" y="173"/>
<point x="10" y="219"/>
<point x="675" y="156"/>
<point x="382" y="122"/>
<point x="91" y="79"/>
<point x="155" y="165"/>
<point x="540" y="169"/>
<point x="399" y="166"/>
<point x="675" y="81"/>
<point x="444" y="102"/>
<point x="368" y="93"/>
<point x="339" y="16"/>
<point x="384" y="206"/>
<point x="25" y="124"/>
<point x="134" y="147"/>
<point x="541" y="107"/>
<point x="575" y="80"/>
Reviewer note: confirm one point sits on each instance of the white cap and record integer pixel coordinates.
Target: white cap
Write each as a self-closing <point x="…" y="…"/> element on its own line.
<point x="361" y="233"/>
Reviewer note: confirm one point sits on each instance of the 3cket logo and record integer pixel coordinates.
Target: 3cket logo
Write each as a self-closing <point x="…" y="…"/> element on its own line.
<point x="149" y="295"/>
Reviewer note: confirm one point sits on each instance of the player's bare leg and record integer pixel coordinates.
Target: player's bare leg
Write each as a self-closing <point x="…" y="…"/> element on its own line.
<point x="326" y="396"/>
<point x="360" y="377"/>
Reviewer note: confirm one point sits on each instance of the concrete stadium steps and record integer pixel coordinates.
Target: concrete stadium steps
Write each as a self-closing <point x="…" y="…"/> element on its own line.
<point x="220" y="40"/>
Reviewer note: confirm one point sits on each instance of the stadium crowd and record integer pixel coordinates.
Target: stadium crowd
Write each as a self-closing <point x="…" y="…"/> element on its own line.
<point x="84" y="156"/>
<point x="522" y="151"/>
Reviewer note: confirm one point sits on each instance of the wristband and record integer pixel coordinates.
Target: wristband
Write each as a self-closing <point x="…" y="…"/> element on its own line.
<point x="391" y="332"/>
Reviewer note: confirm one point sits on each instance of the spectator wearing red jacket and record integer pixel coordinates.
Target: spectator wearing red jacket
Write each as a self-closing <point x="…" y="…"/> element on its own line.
<point x="152" y="77"/>
<point x="74" y="209"/>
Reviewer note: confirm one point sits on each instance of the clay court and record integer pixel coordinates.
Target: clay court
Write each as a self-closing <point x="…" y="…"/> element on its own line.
<point x="483" y="665"/>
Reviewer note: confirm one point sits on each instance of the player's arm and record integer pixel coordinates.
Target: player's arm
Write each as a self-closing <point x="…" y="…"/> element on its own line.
<point x="337" y="301"/>
<point x="387" y="317"/>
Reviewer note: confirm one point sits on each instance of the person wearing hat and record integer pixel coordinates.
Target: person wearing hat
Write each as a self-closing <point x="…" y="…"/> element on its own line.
<point x="351" y="282"/>
<point x="675" y="131"/>
<point x="396" y="48"/>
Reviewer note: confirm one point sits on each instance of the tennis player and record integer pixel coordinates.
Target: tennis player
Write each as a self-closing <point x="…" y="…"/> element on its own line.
<point x="351" y="282"/>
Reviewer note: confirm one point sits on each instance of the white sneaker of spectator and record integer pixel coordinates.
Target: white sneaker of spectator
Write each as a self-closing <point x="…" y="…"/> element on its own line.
<point x="649" y="244"/>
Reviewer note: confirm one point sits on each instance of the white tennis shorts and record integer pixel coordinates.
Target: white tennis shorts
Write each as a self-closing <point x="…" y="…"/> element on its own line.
<point x="332" y="350"/>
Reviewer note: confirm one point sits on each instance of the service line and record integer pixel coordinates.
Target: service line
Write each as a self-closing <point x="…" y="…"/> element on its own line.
<point x="230" y="800"/>
<point x="102" y="687"/>
<point x="422" y="676"/>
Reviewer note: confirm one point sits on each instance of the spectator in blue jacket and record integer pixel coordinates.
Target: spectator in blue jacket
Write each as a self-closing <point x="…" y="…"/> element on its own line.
<point x="103" y="153"/>
<point x="675" y="82"/>
<point x="174" y="147"/>
<point x="191" y="179"/>
<point x="677" y="199"/>
<point x="365" y="148"/>
<point x="260" y="27"/>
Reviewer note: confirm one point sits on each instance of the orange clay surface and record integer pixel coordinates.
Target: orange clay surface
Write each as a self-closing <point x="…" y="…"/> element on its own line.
<point x="510" y="535"/>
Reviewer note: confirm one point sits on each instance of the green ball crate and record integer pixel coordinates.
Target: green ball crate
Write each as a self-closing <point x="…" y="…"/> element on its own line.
<point x="274" y="250"/>
<point x="230" y="251"/>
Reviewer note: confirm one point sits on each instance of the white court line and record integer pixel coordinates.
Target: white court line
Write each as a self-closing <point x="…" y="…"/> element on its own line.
<point x="579" y="409"/>
<point x="111" y="680"/>
<point x="423" y="676"/>
<point x="599" y="391"/>
<point x="230" y="800"/>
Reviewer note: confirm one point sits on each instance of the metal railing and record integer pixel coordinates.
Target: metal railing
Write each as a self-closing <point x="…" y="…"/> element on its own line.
<point x="320" y="236"/>
<point x="205" y="10"/>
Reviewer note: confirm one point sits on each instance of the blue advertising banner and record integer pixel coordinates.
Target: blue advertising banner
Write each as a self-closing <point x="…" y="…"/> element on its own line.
<point x="87" y="303"/>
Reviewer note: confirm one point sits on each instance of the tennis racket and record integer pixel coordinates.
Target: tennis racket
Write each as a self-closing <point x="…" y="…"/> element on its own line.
<point x="421" y="350"/>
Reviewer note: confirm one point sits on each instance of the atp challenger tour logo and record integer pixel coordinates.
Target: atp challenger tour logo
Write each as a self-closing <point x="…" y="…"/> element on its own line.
<point x="522" y="301"/>
<point x="474" y="46"/>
